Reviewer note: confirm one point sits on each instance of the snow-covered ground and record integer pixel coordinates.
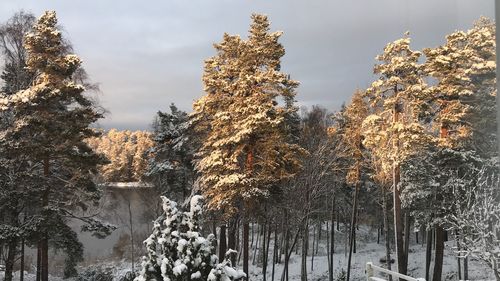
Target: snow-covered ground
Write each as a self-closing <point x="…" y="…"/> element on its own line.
<point x="367" y="251"/>
<point x="371" y="252"/>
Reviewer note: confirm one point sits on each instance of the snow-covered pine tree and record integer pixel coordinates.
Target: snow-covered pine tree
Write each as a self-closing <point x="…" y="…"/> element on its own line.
<point x="354" y="114"/>
<point x="463" y="120"/>
<point x="464" y="96"/>
<point x="51" y="120"/>
<point x="393" y="132"/>
<point x="245" y="152"/>
<point x="178" y="252"/>
<point x="171" y="169"/>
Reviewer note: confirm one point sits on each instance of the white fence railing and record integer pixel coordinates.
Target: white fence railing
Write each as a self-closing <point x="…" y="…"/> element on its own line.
<point x="370" y="274"/>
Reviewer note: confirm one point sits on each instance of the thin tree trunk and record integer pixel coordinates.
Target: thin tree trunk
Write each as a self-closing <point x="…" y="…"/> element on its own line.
<point x="275" y="250"/>
<point x="319" y="237"/>
<point x="284" y="275"/>
<point x="257" y="240"/>
<point x="313" y="249"/>
<point x="253" y="230"/>
<point x="338" y="221"/>
<point x="305" y="244"/>
<point x="263" y="251"/>
<point x="285" y="266"/>
<point x="458" y="259"/>
<point x="21" y="274"/>
<point x="222" y="242"/>
<point x="353" y="229"/>
<point x="346" y="238"/>
<point x="398" y="224"/>
<point x="39" y="261"/>
<point x="245" y="247"/>
<point x="9" y="262"/>
<point x="266" y="252"/>
<point x="332" y="239"/>
<point x="438" y="254"/>
<point x="428" y="253"/>
<point x="214" y="228"/>
<point x="386" y="229"/>
<point x="131" y="222"/>
<point x="232" y="238"/>
<point x="328" y="248"/>
<point x="378" y="234"/>
<point x="407" y="236"/>
<point x="466" y="268"/>
<point x="44" y="243"/>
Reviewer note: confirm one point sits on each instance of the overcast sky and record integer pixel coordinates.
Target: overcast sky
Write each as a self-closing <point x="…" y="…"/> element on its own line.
<point x="147" y="54"/>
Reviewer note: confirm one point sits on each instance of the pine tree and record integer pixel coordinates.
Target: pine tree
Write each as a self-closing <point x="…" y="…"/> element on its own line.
<point x="394" y="131"/>
<point x="51" y="120"/>
<point x="464" y="97"/>
<point x="355" y="113"/>
<point x="463" y="123"/>
<point x="170" y="168"/>
<point x="245" y="153"/>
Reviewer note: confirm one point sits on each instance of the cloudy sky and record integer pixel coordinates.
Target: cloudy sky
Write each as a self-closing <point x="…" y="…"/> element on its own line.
<point x="148" y="54"/>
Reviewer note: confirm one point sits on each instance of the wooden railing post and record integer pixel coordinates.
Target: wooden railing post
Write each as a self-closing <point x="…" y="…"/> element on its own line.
<point x="369" y="271"/>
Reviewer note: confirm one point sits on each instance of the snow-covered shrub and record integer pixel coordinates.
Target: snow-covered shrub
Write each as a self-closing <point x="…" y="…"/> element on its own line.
<point x="476" y="217"/>
<point x="96" y="273"/>
<point x="178" y="252"/>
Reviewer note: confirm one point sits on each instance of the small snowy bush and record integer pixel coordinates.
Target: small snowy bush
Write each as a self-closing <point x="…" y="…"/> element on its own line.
<point x="178" y="252"/>
<point x="96" y="273"/>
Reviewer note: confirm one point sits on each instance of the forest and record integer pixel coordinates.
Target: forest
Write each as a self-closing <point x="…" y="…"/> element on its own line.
<point x="248" y="185"/>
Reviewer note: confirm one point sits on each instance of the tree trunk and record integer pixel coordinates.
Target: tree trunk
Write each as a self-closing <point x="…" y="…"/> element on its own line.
<point x="313" y="249"/>
<point x="328" y="249"/>
<point x="459" y="267"/>
<point x="231" y="241"/>
<point x="131" y="222"/>
<point x="407" y="236"/>
<point x="305" y="246"/>
<point x="257" y="240"/>
<point x="287" y="248"/>
<point x="284" y="276"/>
<point x="222" y="242"/>
<point x="398" y="223"/>
<point x="11" y="256"/>
<point x="21" y="273"/>
<point x="44" y="243"/>
<point x="438" y="254"/>
<point x="353" y="229"/>
<point x="378" y="234"/>
<point x="266" y="252"/>
<point x="386" y="229"/>
<point x="428" y="253"/>
<point x="275" y="249"/>
<point x="39" y="261"/>
<point x="466" y="268"/>
<point x="263" y="251"/>
<point x="245" y="247"/>
<point x="319" y="237"/>
<point x="332" y="239"/>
